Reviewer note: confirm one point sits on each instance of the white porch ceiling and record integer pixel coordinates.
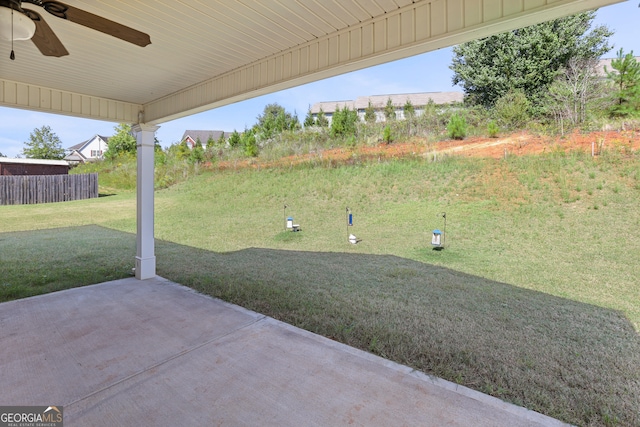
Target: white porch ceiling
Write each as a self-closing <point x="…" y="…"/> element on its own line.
<point x="205" y="54"/>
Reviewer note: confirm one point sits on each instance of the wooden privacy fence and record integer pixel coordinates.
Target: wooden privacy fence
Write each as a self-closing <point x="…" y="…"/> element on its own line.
<point x="30" y="189"/>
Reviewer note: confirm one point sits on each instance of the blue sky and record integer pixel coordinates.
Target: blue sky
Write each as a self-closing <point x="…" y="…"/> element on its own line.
<point x="423" y="73"/>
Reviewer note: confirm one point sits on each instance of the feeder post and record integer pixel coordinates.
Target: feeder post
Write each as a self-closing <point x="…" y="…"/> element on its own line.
<point x="444" y="229"/>
<point x="284" y="217"/>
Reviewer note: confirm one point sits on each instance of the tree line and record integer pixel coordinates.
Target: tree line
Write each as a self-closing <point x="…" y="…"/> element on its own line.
<point x="544" y="73"/>
<point x="547" y="72"/>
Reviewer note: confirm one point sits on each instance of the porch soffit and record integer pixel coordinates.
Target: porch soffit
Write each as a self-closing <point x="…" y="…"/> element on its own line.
<point x="209" y="54"/>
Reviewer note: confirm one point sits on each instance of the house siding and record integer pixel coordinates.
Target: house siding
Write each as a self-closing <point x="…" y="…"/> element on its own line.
<point x="14" y="168"/>
<point x="190" y="137"/>
<point x="95" y="149"/>
<point x="91" y="149"/>
<point x="379" y="102"/>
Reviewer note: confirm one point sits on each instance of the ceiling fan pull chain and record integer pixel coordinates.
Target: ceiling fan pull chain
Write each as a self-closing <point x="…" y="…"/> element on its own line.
<point x="12" y="56"/>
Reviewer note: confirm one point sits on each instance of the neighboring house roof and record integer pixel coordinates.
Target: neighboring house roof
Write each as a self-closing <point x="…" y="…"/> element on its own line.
<point x="203" y="135"/>
<point x="331" y="106"/>
<point x="417" y="99"/>
<point x="77" y="146"/>
<point x="80" y="146"/>
<point x="34" y="161"/>
<point x="75" y="157"/>
<point x="606" y="62"/>
<point x="398" y="101"/>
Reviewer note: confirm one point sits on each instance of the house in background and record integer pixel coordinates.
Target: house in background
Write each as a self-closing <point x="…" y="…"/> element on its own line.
<point x="604" y="66"/>
<point x="379" y="102"/>
<point x="330" y="107"/>
<point x="89" y="150"/>
<point x="190" y="137"/>
<point x="418" y="100"/>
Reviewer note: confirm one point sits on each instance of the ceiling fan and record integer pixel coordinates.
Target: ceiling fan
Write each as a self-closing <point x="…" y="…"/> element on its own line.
<point x="34" y="27"/>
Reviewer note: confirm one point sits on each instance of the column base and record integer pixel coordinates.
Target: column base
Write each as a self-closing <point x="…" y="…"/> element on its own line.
<point x="145" y="268"/>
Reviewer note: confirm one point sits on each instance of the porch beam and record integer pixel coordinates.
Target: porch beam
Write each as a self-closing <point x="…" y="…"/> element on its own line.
<point x="38" y="98"/>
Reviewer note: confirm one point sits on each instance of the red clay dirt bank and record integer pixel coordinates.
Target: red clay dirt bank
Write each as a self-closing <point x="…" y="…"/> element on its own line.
<point x="521" y="143"/>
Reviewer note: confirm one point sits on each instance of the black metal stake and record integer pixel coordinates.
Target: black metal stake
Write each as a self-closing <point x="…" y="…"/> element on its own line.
<point x="444" y="230"/>
<point x="284" y="217"/>
<point x="348" y="212"/>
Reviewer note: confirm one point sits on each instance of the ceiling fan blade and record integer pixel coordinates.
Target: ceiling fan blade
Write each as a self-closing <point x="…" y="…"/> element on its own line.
<point x="44" y="38"/>
<point x="96" y="22"/>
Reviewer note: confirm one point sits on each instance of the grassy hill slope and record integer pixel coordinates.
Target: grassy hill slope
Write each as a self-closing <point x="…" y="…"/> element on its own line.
<point x="534" y="299"/>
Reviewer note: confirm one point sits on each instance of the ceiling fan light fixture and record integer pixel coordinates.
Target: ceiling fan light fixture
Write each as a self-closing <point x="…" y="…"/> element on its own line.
<point x="23" y="27"/>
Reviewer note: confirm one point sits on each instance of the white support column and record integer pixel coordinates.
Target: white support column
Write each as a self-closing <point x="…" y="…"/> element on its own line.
<point x="145" y="253"/>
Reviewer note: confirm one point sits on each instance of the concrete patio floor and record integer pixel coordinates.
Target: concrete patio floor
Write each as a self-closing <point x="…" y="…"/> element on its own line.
<point x="155" y="353"/>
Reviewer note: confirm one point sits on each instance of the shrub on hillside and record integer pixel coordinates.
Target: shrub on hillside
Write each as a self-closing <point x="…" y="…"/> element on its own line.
<point x="197" y="153"/>
<point x="234" y="139"/>
<point x="344" y="122"/>
<point x="386" y="135"/>
<point x="249" y="143"/>
<point x="457" y="127"/>
<point x="492" y="129"/>
<point x="513" y="109"/>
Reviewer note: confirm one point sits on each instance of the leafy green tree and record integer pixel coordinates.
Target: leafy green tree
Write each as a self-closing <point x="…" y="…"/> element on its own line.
<point x="123" y="142"/>
<point x="274" y="120"/>
<point x="2" y="155"/>
<point x="457" y="127"/>
<point x="344" y="122"/>
<point x="386" y="135"/>
<point x="389" y="111"/>
<point x="221" y="141"/>
<point x="513" y="109"/>
<point x="270" y="112"/>
<point x="430" y="118"/>
<point x="281" y="122"/>
<point x="409" y="115"/>
<point x="527" y="59"/>
<point x="408" y="110"/>
<point x="626" y="81"/>
<point x="249" y="142"/>
<point x="370" y="113"/>
<point x="210" y="142"/>
<point x="267" y="127"/>
<point x="197" y="153"/>
<point x="234" y="139"/>
<point x="180" y="150"/>
<point x="43" y="144"/>
<point x="492" y="129"/>
<point x="309" y="120"/>
<point x="294" y="124"/>
<point x="321" y="119"/>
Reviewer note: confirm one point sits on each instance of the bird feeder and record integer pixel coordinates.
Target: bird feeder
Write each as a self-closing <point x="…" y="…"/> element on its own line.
<point x="351" y="237"/>
<point x="436" y="238"/>
<point x="288" y="223"/>
<point x="291" y="226"/>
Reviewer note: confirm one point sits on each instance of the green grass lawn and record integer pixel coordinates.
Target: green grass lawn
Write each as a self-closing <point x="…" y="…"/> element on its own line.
<point x="535" y="298"/>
